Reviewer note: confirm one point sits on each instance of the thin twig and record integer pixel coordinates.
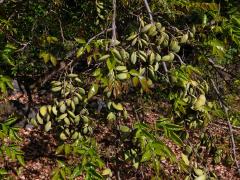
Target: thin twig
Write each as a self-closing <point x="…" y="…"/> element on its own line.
<point x="223" y="105"/>
<point x="61" y="30"/>
<point x="179" y="58"/>
<point x="220" y="67"/>
<point x="114" y="36"/>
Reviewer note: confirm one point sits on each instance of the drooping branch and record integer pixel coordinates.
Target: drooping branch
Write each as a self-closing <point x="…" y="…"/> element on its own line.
<point x="114" y="36"/>
<point x="224" y="107"/>
<point x="152" y="22"/>
<point x="63" y="65"/>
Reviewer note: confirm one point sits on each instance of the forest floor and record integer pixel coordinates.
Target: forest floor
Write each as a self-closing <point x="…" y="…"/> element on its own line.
<point x="39" y="148"/>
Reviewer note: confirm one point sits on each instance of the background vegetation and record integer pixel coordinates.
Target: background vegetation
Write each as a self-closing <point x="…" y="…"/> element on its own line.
<point x="135" y="89"/>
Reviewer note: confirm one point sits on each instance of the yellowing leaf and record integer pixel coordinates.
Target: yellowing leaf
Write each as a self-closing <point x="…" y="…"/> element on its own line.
<point x="107" y="172"/>
<point x="45" y="56"/>
<point x="200" y="102"/>
<point x="118" y="106"/>
<point x="43" y="110"/>
<point x="111" y="116"/>
<point x="53" y="60"/>
<point x="185" y="159"/>
<point x="93" y="91"/>
<point x="122" y="76"/>
<point x="80" y="51"/>
<point x="202" y="177"/>
<point x="124" y="129"/>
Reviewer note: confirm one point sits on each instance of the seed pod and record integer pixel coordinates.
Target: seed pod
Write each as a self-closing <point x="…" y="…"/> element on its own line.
<point x="56" y="89"/>
<point x="82" y="91"/>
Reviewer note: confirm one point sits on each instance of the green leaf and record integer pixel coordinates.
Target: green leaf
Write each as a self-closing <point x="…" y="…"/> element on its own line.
<point x="198" y="172"/>
<point x="67" y="149"/>
<point x="122" y="76"/>
<point x="93" y="91"/>
<point x="3" y="172"/>
<point x="56" y="89"/>
<point x="20" y="159"/>
<point x="80" y="51"/>
<point x="104" y="57"/>
<point x="107" y="172"/>
<point x="185" y="159"/>
<point x="111" y="116"/>
<point x="80" y="41"/>
<point x="124" y="129"/>
<point x="146" y="156"/>
<point x="76" y="172"/>
<point x="117" y="106"/>
<point x="53" y="60"/>
<point x="175" y="138"/>
<point x="48" y="126"/>
<point x="202" y="177"/>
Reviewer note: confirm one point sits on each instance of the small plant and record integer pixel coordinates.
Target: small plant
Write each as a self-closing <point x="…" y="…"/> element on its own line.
<point x="10" y="151"/>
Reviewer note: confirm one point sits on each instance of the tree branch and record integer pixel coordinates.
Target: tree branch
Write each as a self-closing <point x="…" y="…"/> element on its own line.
<point x="63" y="65"/>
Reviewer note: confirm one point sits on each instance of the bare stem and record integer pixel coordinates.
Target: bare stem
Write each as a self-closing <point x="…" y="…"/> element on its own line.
<point x="114" y="36"/>
<point x="149" y="11"/>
